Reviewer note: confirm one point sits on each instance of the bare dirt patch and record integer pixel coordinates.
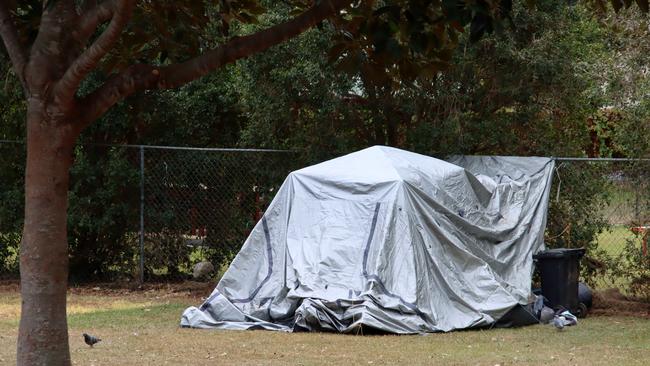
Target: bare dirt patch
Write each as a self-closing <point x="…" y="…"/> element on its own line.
<point x="187" y="289"/>
<point x="9" y="286"/>
<point x="613" y="302"/>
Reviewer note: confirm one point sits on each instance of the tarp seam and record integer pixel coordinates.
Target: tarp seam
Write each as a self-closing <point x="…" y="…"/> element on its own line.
<point x="269" y="252"/>
<point x="376" y="278"/>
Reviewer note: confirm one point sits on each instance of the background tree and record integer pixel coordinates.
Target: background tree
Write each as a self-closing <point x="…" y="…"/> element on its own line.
<point x="566" y="82"/>
<point x="592" y="62"/>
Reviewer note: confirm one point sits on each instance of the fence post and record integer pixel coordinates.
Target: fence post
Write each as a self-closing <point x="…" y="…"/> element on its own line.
<point x="141" y="215"/>
<point x="637" y="204"/>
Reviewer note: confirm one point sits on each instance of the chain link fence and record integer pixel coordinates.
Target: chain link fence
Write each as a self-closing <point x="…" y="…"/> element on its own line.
<point x="604" y="205"/>
<point x="147" y="213"/>
<point x="201" y="204"/>
<point x="143" y="213"/>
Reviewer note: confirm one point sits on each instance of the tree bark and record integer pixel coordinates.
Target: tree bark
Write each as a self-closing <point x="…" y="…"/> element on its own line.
<point x="43" y="334"/>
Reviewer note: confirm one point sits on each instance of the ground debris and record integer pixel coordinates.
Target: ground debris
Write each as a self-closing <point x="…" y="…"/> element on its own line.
<point x="613" y="302"/>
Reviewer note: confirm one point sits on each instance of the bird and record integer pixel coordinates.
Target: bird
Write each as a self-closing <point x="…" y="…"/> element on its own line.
<point x="90" y="340"/>
<point x="558" y="322"/>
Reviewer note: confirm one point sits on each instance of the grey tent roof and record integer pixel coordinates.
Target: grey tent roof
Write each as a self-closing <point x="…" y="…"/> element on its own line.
<point x="389" y="239"/>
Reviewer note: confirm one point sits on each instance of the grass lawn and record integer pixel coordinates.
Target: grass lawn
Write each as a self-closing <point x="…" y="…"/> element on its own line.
<point x="613" y="241"/>
<point x="141" y="328"/>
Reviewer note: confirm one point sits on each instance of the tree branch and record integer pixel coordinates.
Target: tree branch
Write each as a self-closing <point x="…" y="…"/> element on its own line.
<point x="16" y="52"/>
<point x="143" y="77"/>
<point x="119" y="86"/>
<point x="176" y="75"/>
<point x="92" y="17"/>
<point x="67" y="86"/>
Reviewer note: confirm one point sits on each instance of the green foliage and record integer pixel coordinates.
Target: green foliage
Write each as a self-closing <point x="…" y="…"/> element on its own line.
<point x="11" y="209"/>
<point x="514" y="93"/>
<point x="12" y="157"/>
<point x="579" y="197"/>
<point x="630" y="269"/>
<point x="297" y="105"/>
<point x="387" y="39"/>
<point x="637" y="269"/>
<point x="622" y="127"/>
<point x="162" y="32"/>
<point x="102" y="220"/>
<point x="511" y="93"/>
<point x="395" y="41"/>
<point x="618" y="5"/>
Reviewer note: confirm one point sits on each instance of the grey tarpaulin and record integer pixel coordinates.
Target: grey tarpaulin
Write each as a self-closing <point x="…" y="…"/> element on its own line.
<point x="391" y="240"/>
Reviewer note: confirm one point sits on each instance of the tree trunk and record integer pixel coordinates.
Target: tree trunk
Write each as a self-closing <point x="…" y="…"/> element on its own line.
<point x="43" y="335"/>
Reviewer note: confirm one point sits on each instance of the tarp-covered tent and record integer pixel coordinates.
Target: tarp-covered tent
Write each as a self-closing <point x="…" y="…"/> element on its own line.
<point x="391" y="240"/>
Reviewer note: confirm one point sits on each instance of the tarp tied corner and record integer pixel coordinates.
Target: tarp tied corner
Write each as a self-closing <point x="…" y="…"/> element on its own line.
<point x="391" y="240"/>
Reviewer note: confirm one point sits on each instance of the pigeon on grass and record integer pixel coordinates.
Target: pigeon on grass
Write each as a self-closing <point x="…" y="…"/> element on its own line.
<point x="90" y="340"/>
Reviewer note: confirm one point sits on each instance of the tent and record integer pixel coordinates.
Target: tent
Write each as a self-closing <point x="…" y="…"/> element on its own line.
<point x="388" y="240"/>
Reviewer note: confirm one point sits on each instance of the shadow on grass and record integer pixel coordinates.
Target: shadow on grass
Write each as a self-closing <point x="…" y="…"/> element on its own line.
<point x="138" y="316"/>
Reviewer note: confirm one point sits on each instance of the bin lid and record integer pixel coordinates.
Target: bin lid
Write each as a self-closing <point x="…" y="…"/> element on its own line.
<point x="560" y="253"/>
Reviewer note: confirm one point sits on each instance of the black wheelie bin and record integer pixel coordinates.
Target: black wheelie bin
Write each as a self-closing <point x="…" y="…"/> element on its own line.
<point x="559" y="271"/>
